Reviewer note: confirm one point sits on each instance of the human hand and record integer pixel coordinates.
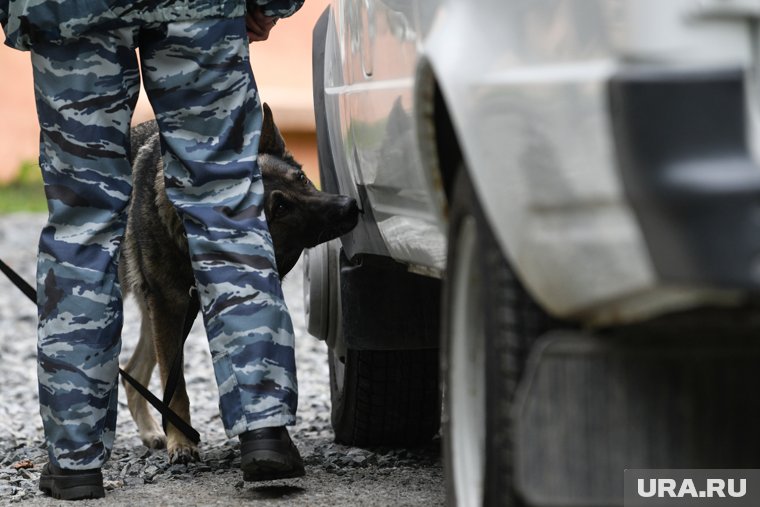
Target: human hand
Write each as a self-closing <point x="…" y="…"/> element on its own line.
<point x="258" y="25"/>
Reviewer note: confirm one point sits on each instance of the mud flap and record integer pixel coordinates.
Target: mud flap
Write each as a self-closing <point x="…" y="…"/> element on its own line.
<point x="385" y="307"/>
<point x="591" y="406"/>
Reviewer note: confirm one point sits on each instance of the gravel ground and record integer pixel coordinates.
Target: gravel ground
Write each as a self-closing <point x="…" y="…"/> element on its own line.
<point x="336" y="475"/>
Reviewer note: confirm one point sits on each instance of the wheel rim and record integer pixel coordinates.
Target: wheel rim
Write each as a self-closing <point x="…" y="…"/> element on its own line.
<point x="466" y="382"/>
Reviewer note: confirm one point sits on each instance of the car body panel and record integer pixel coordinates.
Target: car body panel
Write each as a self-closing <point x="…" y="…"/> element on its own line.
<point x="526" y="86"/>
<point x="371" y="98"/>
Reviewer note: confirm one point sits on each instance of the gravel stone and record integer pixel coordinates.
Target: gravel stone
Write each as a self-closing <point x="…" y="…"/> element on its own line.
<point x="336" y="475"/>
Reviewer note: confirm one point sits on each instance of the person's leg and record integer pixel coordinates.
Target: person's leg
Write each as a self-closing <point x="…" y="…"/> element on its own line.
<point x="198" y="78"/>
<point x="85" y="93"/>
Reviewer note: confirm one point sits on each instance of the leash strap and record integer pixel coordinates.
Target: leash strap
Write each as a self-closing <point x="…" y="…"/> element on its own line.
<point x="175" y="373"/>
<point x="167" y="414"/>
<point x="19" y="282"/>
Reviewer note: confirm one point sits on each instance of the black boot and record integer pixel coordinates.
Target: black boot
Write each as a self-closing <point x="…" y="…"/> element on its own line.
<point x="268" y="453"/>
<point x="71" y="484"/>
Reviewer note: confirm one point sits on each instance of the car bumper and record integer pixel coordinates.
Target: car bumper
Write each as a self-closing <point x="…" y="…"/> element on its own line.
<point x="687" y="170"/>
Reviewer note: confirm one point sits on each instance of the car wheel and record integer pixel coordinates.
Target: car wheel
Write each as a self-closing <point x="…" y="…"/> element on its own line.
<point x="489" y="323"/>
<point x="384" y="397"/>
<point x="379" y="397"/>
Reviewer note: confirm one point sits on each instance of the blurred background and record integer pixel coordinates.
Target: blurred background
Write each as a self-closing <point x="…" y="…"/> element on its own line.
<point x="282" y="66"/>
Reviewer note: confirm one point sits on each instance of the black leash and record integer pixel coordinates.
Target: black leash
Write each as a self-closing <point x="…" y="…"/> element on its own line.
<point x="19" y="282"/>
<point x="175" y="373"/>
<point x="167" y="414"/>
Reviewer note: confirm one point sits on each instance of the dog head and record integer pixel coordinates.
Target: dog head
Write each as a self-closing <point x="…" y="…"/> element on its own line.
<point x="299" y="215"/>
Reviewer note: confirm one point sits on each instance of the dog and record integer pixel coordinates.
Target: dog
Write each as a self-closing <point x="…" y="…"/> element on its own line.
<point x="155" y="263"/>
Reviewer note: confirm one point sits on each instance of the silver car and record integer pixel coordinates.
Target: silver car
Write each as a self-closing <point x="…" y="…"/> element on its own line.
<point x="561" y="215"/>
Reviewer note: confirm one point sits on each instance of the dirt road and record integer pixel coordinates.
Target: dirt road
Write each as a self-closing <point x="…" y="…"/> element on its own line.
<point x="136" y="476"/>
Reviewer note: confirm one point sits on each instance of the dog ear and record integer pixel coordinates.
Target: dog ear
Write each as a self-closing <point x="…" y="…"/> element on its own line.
<point x="271" y="141"/>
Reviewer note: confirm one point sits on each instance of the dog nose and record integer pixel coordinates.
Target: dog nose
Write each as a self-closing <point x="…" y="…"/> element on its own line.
<point x="346" y="215"/>
<point x="350" y="207"/>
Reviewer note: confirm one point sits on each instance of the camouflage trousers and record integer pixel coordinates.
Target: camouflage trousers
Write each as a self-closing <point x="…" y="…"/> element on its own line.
<point x="198" y="79"/>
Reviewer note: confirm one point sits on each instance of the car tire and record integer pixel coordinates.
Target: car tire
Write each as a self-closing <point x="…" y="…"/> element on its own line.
<point x="384" y="398"/>
<point x="489" y="325"/>
<point x="379" y="397"/>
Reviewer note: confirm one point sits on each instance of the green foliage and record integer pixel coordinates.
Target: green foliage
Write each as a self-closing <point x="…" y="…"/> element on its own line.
<point x="25" y="192"/>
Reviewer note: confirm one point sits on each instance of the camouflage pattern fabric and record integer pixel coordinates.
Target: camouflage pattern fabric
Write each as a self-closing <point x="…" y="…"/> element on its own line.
<point x="26" y="22"/>
<point x="198" y="78"/>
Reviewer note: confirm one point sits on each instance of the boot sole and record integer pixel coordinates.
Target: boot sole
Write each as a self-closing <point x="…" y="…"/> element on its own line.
<point x="92" y="487"/>
<point x="266" y="465"/>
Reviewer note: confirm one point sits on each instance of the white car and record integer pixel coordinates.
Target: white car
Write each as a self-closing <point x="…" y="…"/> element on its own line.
<point x="561" y="209"/>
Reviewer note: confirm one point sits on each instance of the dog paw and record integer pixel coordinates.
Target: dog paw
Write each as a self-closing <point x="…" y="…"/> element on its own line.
<point x="183" y="454"/>
<point x="154" y="440"/>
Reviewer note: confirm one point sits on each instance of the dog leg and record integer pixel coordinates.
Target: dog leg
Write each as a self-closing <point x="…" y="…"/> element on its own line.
<point x="140" y="367"/>
<point x="167" y="341"/>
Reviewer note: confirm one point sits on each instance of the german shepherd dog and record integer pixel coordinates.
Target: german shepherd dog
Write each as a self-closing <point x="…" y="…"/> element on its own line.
<point x="155" y="263"/>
